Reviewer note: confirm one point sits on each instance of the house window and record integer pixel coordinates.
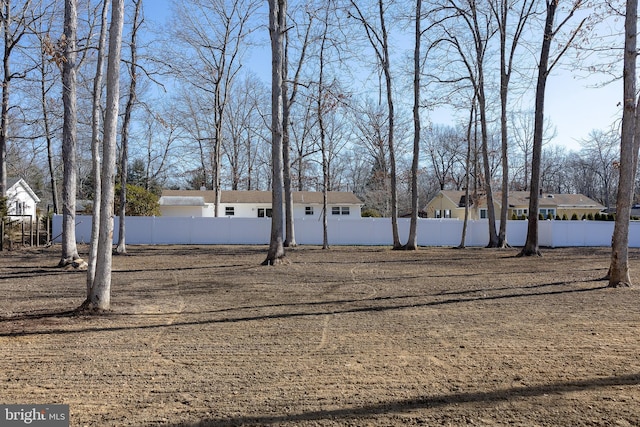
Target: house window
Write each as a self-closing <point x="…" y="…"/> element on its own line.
<point x="229" y="211"/>
<point x="21" y="208"/>
<point x="521" y="212"/>
<point x="483" y="213"/>
<point x="340" y="210"/>
<point x="264" y="212"/>
<point x="549" y="212"/>
<point x="446" y="213"/>
<point x="308" y="210"/>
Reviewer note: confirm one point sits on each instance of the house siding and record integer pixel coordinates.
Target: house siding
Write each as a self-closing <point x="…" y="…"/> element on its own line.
<point x="248" y="204"/>
<point x="21" y="202"/>
<point x="564" y="204"/>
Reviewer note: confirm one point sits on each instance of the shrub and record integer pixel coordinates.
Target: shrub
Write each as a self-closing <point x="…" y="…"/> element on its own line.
<point x="549" y="216"/>
<point x="557" y="217"/>
<point x="370" y="213"/>
<point x="597" y="216"/>
<point x="574" y="217"/>
<point x="590" y="216"/>
<point x="540" y="217"/>
<point x="140" y="202"/>
<point x="611" y="217"/>
<point x="565" y="218"/>
<point x="514" y="216"/>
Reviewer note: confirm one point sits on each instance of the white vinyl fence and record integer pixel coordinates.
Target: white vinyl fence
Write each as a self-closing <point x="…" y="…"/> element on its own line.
<point x="364" y="231"/>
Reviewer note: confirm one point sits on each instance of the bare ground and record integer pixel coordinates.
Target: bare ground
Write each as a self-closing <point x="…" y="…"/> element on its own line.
<point x="351" y="336"/>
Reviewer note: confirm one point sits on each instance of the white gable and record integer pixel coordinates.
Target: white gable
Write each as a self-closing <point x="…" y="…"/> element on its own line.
<point x="21" y="200"/>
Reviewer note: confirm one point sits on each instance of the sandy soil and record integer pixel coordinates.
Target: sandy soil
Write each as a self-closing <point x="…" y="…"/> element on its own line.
<point x="356" y="336"/>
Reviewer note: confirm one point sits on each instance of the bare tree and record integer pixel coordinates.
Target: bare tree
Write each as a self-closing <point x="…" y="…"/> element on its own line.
<point x="213" y="35"/>
<point x="467" y="192"/>
<point x="477" y="23"/>
<point x="599" y="153"/>
<point x="378" y="38"/>
<point x="99" y="295"/>
<point x="96" y="116"/>
<point x="501" y="10"/>
<point x="277" y="13"/>
<point x="444" y="152"/>
<point x="304" y="146"/>
<point x="371" y="129"/>
<point x="321" y="97"/>
<point x="69" y="133"/>
<point x="521" y="126"/>
<point x="15" y="23"/>
<point x="288" y="101"/>
<point x="412" y="240"/>
<point x="544" y="69"/>
<point x="629" y="143"/>
<point x="126" y="124"/>
<point x="47" y="84"/>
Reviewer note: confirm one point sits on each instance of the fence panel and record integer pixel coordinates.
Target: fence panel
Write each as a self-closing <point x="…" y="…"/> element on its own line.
<point x="365" y="231"/>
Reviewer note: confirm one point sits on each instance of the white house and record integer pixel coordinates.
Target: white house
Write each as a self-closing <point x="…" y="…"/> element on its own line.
<point x="21" y="200"/>
<point x="257" y="204"/>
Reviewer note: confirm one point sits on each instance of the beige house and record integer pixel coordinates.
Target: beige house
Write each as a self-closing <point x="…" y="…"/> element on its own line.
<point x="257" y="204"/>
<point x="451" y="203"/>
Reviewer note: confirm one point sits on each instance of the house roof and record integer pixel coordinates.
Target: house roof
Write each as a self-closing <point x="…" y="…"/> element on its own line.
<point x="13" y="182"/>
<point x="253" y="196"/>
<point x="181" y="201"/>
<point x="521" y="198"/>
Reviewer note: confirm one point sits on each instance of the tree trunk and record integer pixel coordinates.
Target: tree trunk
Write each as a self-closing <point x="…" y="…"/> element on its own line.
<point x="531" y="245"/>
<point x="69" y="70"/>
<point x="390" y="106"/>
<point x="491" y="213"/>
<point x="277" y="12"/>
<point x="465" y="224"/>
<point x="95" y="150"/>
<point x="100" y="294"/>
<point x="323" y="145"/>
<point x="619" y="269"/>
<point x="290" y="237"/>
<point x="501" y="11"/>
<point x="48" y="137"/>
<point x="504" y="136"/>
<point x="412" y="241"/>
<point x="124" y="161"/>
<point x="6" y="80"/>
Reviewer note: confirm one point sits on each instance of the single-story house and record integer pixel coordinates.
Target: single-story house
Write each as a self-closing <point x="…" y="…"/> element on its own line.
<point x="451" y="204"/>
<point x="21" y="200"/>
<point x="257" y="204"/>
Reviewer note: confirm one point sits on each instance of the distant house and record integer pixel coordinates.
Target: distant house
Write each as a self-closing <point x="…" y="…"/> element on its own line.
<point x="257" y="204"/>
<point x="21" y="200"/>
<point x="451" y="204"/>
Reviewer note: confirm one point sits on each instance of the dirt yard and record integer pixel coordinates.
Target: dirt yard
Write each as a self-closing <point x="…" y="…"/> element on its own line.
<point x="355" y="336"/>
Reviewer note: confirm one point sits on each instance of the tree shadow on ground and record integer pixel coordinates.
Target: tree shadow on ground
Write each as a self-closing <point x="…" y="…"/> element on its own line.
<point x="325" y="308"/>
<point x="426" y="402"/>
